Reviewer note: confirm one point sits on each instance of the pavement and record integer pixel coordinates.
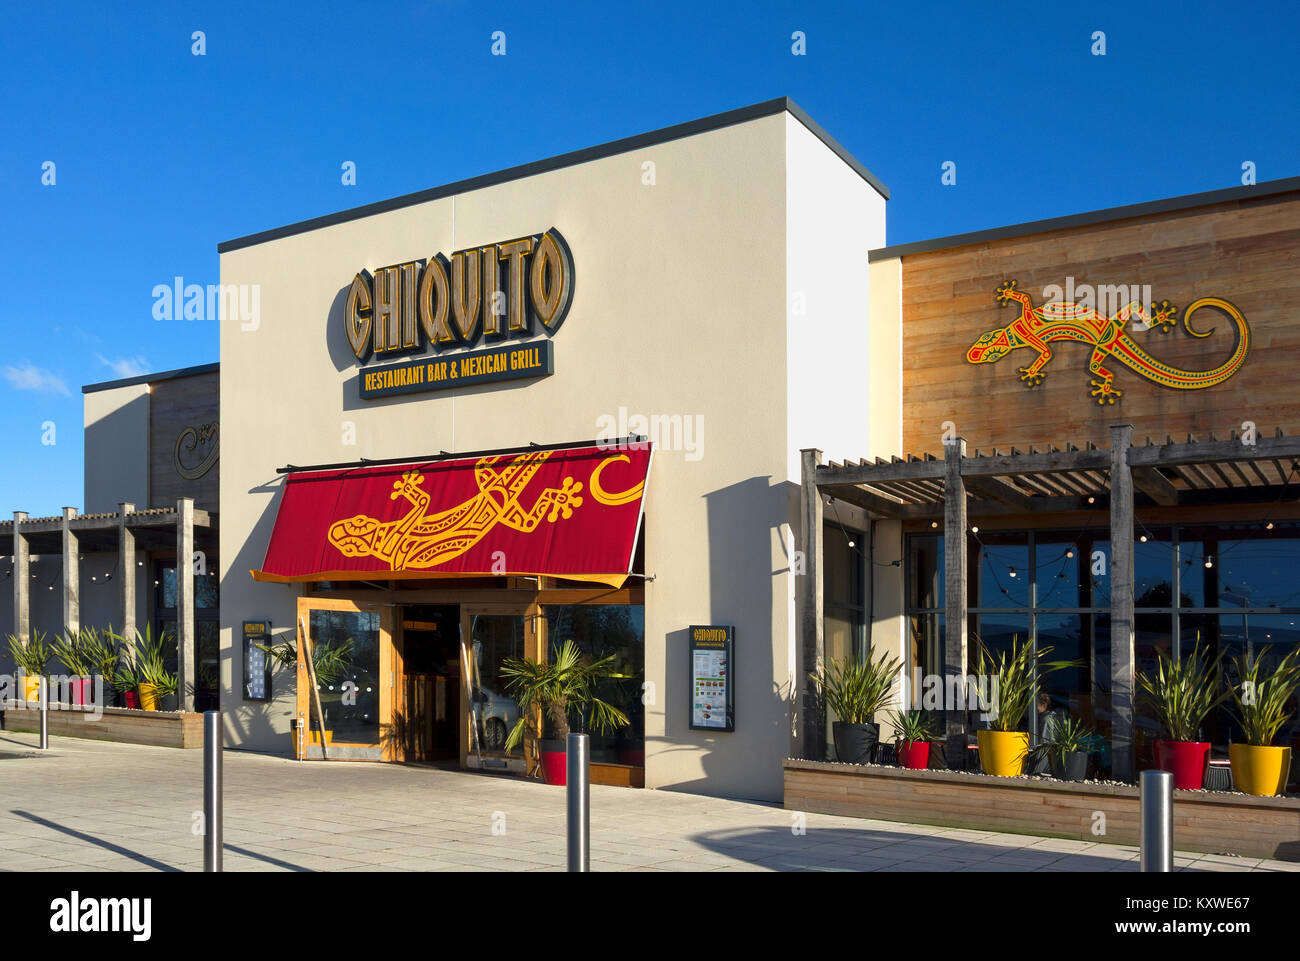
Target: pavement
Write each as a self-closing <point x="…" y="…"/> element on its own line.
<point x="101" y="806"/>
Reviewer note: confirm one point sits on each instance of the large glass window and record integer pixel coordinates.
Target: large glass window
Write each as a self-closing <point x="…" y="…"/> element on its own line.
<point x="617" y="632"/>
<point x="1230" y="588"/>
<point x="345" y="653"/>
<point x="207" y="647"/>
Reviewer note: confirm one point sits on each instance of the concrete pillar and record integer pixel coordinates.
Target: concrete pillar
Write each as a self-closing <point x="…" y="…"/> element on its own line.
<point x="185" y="648"/>
<point x="955" y="579"/>
<point x="812" y="645"/>
<point x="22" y="581"/>
<point x="126" y="578"/>
<point x="1121" y="604"/>
<point x="71" y="574"/>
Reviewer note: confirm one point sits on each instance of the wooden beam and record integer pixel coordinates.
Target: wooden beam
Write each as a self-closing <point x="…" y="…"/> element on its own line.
<point x="1264" y="448"/>
<point x="955" y="564"/>
<point x="1121" y="603"/>
<point x="1156" y="486"/>
<point x="999" y="491"/>
<point x="22" y="577"/>
<point x="870" y="501"/>
<point x="185" y="647"/>
<point x="71" y="574"/>
<point x="812" y="646"/>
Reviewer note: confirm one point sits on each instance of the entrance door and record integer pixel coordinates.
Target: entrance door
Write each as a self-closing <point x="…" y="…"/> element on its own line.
<point x="353" y="657"/>
<point x="492" y="635"/>
<point x="431" y="682"/>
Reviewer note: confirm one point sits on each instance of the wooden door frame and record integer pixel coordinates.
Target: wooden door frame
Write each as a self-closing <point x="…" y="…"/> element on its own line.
<point x="389" y="663"/>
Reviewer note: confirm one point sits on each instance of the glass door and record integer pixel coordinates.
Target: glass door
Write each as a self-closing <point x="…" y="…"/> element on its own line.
<point x="352" y="659"/>
<point x="491" y="636"/>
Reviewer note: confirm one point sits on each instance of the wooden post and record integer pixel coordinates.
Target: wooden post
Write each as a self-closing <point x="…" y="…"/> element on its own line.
<point x="22" y="581"/>
<point x="126" y="577"/>
<point x="308" y="655"/>
<point x="71" y="574"/>
<point x="185" y="673"/>
<point x="1121" y="604"/>
<point x="954" y="566"/>
<point x="811" y="641"/>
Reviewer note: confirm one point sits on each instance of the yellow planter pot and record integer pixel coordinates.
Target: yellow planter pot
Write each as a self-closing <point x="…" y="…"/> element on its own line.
<point x="1261" y="771"/>
<point x="1002" y="753"/>
<point x="31" y="688"/>
<point x="149" y="697"/>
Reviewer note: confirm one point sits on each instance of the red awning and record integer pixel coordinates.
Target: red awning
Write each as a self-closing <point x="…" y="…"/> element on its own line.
<point x="571" y="513"/>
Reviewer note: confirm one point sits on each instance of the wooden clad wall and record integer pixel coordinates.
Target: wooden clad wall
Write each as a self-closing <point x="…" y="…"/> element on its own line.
<point x="184" y="410"/>
<point x="1247" y="252"/>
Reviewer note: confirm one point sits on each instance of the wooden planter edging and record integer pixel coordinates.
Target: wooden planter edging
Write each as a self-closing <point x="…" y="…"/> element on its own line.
<point x="159" y="728"/>
<point x="1204" y="821"/>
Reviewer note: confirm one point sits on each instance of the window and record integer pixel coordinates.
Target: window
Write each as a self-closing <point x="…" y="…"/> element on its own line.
<point x="1228" y="588"/>
<point x="207" y="653"/>
<point x="618" y="632"/>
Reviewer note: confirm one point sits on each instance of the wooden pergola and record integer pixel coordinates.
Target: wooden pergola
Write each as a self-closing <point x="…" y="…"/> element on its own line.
<point x="1243" y="468"/>
<point x="126" y="531"/>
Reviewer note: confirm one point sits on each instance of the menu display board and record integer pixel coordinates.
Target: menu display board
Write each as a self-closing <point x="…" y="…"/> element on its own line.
<point x="713" y="695"/>
<point x="257" y="673"/>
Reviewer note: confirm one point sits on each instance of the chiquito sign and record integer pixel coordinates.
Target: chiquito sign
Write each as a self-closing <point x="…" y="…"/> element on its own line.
<point x="486" y="296"/>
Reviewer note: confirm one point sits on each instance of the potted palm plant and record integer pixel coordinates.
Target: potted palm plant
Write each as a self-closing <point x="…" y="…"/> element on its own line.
<point x="330" y="660"/>
<point x="1003" y="746"/>
<point x="1179" y="695"/>
<point x="914" y="731"/>
<point x="1260" y="707"/>
<point x="77" y="651"/>
<point x="151" y="657"/>
<point x="557" y="691"/>
<point x="1067" y="748"/>
<point x="104" y="654"/>
<point x="855" y="690"/>
<point x="30" y="659"/>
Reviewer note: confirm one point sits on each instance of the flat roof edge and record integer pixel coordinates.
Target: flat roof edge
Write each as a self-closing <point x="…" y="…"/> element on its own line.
<point x="1187" y="201"/>
<point x="663" y="135"/>
<point x="150" y="378"/>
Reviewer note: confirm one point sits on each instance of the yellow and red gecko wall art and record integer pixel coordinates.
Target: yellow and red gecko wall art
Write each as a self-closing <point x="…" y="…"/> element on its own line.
<point x="1037" y="327"/>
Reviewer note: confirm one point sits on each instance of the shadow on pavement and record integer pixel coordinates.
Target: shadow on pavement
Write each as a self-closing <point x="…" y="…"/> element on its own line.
<point x="840" y="849"/>
<point x="98" y="842"/>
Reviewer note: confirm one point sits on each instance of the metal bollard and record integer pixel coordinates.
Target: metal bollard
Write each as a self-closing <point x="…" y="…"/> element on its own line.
<point x="578" y="779"/>
<point x="44" y="695"/>
<point x="1157" y="830"/>
<point x="212" y="747"/>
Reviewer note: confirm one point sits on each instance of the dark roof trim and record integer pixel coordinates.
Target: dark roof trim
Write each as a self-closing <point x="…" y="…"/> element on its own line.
<point x="151" y="378"/>
<point x="655" y="137"/>
<point x="1204" y="199"/>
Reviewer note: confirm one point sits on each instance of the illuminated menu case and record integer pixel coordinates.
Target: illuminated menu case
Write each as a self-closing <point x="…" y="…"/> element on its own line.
<point x="713" y="695"/>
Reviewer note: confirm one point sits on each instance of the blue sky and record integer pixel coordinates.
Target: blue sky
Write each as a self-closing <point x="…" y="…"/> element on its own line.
<point x="160" y="154"/>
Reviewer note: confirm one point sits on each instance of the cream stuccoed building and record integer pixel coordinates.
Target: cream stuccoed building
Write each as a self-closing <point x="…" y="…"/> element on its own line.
<point x="717" y="305"/>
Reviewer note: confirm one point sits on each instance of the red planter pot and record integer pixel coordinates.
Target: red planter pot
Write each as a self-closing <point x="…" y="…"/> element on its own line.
<point x="914" y="755"/>
<point x="1186" y="760"/>
<point x="80" y="688"/>
<point x="554" y="764"/>
<point x="132" y="700"/>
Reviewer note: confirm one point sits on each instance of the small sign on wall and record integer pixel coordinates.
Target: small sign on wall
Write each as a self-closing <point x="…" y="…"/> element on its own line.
<point x="257" y="670"/>
<point x="713" y="695"/>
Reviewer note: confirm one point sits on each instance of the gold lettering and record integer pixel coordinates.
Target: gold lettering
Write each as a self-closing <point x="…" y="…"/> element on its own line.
<point x="356" y="315"/>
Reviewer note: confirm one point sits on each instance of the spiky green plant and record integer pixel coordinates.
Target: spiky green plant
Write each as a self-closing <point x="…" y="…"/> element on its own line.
<point x="563" y="686"/>
<point x="1069" y="736"/>
<point x="855" y="689"/>
<point x="331" y="659"/>
<point x="151" y="657"/>
<point x="1180" y="695"/>
<point x="1017" y="672"/>
<point x="77" y="651"/>
<point x="1260" y="704"/>
<point x="31" y="658"/>
<point x="914" y="726"/>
